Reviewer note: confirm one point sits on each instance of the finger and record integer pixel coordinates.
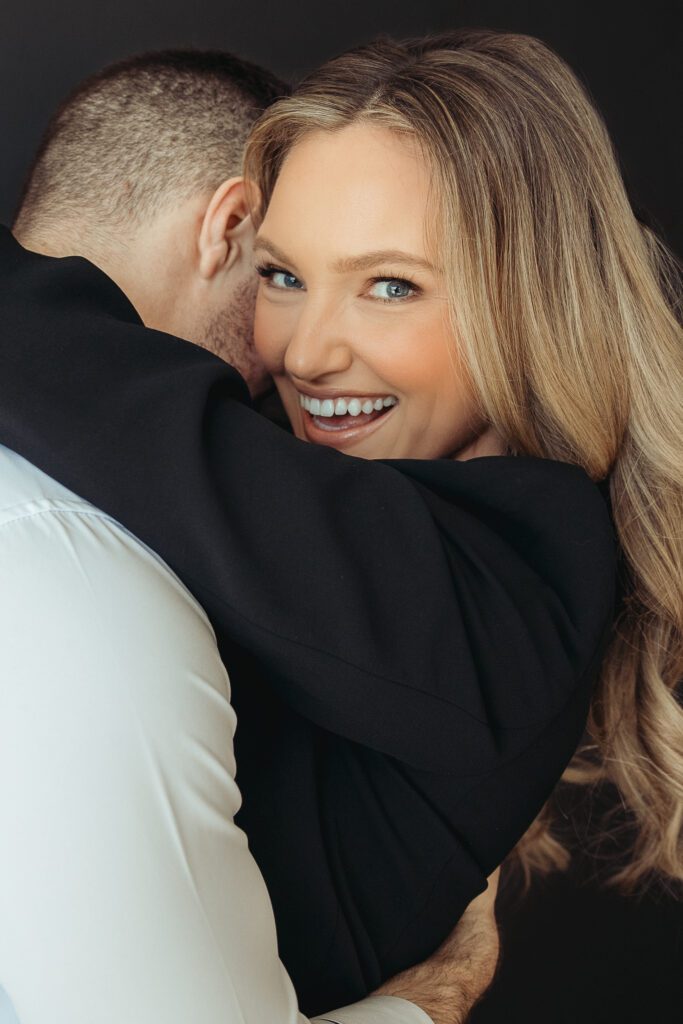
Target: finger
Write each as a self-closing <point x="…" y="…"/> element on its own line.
<point x="483" y="904"/>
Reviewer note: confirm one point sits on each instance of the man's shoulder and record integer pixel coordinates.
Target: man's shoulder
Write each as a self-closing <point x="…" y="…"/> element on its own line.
<point x="26" y="491"/>
<point x="45" y="528"/>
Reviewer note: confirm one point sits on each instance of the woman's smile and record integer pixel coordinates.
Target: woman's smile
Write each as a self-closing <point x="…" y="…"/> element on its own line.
<point x="343" y="420"/>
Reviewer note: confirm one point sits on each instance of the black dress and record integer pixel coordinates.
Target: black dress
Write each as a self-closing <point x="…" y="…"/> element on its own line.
<point x="576" y="950"/>
<point x="411" y="644"/>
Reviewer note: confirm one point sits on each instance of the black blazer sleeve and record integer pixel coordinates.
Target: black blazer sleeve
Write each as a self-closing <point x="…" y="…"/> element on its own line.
<point x="436" y="611"/>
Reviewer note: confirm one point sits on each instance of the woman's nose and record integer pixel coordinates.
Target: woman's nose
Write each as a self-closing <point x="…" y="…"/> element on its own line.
<point x="317" y="348"/>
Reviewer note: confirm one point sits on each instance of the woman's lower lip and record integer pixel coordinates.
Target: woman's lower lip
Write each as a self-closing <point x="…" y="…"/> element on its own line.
<point x="338" y="437"/>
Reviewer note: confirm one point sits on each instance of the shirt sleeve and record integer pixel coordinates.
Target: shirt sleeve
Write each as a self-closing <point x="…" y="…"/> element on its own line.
<point x="377" y="1010"/>
<point x="126" y="890"/>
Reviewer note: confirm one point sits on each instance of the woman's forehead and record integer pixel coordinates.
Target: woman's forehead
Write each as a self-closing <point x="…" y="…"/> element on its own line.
<point x="362" y="187"/>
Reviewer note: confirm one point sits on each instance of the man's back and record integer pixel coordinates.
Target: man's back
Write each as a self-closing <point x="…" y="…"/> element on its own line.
<point x="117" y="784"/>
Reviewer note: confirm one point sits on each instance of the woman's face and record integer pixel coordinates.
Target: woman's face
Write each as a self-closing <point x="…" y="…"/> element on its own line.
<point x="351" y="313"/>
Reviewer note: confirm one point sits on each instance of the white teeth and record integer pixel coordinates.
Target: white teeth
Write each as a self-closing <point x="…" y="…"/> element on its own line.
<point x="328" y="407"/>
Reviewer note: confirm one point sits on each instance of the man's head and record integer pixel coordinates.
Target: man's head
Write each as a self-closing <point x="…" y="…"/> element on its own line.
<point x="139" y="171"/>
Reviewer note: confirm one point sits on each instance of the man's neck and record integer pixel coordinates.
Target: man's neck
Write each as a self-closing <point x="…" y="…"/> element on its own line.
<point x="117" y="259"/>
<point x="62" y="239"/>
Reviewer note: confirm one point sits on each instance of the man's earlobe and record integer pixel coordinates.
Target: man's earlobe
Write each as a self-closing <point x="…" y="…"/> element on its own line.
<point x="226" y="214"/>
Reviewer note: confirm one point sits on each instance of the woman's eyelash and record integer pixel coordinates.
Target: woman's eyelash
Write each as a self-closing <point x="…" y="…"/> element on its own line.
<point x="267" y="270"/>
<point x="393" y="277"/>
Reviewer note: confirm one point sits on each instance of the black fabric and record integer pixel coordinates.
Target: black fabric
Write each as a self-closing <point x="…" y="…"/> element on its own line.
<point x="411" y="644"/>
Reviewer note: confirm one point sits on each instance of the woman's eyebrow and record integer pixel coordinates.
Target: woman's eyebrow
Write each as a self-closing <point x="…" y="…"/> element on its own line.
<point x="261" y="243"/>
<point x="349" y="264"/>
<point x="367" y="260"/>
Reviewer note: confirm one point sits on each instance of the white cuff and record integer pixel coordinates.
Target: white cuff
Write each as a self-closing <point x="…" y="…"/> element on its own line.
<point x="377" y="1010"/>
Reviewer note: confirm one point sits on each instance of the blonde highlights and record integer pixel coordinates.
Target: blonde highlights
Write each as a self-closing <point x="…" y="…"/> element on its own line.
<point x="565" y="310"/>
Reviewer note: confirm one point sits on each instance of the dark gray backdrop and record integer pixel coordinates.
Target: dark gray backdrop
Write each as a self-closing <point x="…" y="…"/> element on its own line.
<point x="601" y="957"/>
<point x="629" y="55"/>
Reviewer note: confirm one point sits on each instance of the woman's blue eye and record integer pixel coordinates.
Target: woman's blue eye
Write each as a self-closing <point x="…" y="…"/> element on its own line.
<point x="279" y="278"/>
<point x="392" y="288"/>
<point x="282" y="280"/>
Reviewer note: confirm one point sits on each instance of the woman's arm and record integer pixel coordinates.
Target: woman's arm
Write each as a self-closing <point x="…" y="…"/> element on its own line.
<point x="469" y="598"/>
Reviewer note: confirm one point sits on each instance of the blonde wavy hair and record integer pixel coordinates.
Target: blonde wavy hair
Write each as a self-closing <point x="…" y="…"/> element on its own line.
<point x="565" y="311"/>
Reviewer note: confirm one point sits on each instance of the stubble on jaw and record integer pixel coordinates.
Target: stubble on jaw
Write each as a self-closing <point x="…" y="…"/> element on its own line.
<point x="230" y="336"/>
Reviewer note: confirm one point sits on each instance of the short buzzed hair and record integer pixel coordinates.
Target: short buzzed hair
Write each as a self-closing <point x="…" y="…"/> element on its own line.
<point x="143" y="132"/>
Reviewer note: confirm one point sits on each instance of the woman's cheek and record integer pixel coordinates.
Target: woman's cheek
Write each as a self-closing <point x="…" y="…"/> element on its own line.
<point x="269" y="335"/>
<point x="400" y="361"/>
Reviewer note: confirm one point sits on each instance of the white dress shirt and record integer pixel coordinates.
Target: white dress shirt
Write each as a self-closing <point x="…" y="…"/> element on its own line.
<point x="127" y="893"/>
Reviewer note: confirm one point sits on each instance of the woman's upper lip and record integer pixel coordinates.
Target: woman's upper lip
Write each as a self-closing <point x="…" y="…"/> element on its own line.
<point x="338" y="392"/>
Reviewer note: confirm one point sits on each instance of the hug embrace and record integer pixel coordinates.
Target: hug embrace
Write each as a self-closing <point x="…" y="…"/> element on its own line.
<point x="341" y="461"/>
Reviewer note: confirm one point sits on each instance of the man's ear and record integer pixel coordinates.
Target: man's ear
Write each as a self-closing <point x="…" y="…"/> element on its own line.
<point x="226" y="222"/>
